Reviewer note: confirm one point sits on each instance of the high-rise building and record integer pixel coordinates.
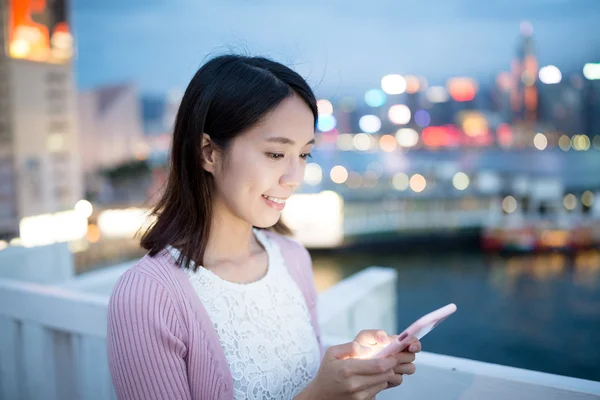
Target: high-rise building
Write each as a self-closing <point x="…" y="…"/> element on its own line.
<point x="39" y="158"/>
<point x="524" y="71"/>
<point x="110" y="127"/>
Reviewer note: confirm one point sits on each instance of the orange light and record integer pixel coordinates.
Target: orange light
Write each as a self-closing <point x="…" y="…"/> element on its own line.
<point x="412" y="84"/>
<point x="462" y="89"/>
<point x="93" y="233"/>
<point x="48" y="39"/>
<point x="473" y="123"/>
<point x="387" y="143"/>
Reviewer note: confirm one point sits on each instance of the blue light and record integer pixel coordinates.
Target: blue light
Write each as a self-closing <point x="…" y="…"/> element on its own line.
<point x="375" y="98"/>
<point x="422" y="118"/>
<point x="325" y="123"/>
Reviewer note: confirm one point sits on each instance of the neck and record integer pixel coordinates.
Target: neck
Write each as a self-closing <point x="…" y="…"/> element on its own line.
<point x="230" y="240"/>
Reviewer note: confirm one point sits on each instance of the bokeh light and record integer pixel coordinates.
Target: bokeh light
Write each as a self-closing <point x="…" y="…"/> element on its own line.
<point x="93" y="234"/>
<point x="393" y="84"/>
<point x="369" y="123"/>
<point x="504" y="135"/>
<point x="422" y="118"/>
<point x="564" y="143"/>
<point x="345" y="142"/>
<point x="413" y="85"/>
<point x="370" y="179"/>
<point x="550" y="75"/>
<point x="580" y="142"/>
<point x="84" y="208"/>
<point x="324" y="107"/>
<point x="313" y="175"/>
<point x="417" y="183"/>
<point x="570" y="202"/>
<point x="407" y="137"/>
<point x="509" y="204"/>
<point x="591" y="71"/>
<point x="354" y="180"/>
<point x="540" y="141"/>
<point x="375" y="98"/>
<point x="326" y="123"/>
<point x="338" y="174"/>
<point x="462" y="89"/>
<point x="388" y="143"/>
<point x="460" y="181"/>
<point x="400" y="181"/>
<point x="587" y="198"/>
<point x="399" y="114"/>
<point x="437" y="94"/>
<point x="362" y="142"/>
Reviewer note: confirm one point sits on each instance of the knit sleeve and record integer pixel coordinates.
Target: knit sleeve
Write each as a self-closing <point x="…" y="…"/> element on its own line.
<point x="145" y="352"/>
<point x="310" y="289"/>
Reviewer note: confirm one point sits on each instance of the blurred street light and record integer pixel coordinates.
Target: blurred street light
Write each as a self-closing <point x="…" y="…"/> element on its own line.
<point x="393" y="84"/>
<point x="369" y="123"/>
<point x="540" y="141"/>
<point x="550" y="75"/>
<point x="460" y="181"/>
<point x="418" y="183"/>
<point x="399" y="114"/>
<point x="338" y="174"/>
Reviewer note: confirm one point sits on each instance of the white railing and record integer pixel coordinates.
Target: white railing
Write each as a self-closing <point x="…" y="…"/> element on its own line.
<point x="52" y="340"/>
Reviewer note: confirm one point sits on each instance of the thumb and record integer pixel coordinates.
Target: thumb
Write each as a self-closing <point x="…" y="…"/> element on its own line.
<point x="349" y="350"/>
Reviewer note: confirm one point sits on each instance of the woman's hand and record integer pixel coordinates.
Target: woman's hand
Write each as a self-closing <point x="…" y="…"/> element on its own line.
<point x="378" y="339"/>
<point x="346" y="374"/>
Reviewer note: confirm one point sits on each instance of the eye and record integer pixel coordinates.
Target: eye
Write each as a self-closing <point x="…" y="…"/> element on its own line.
<point x="275" y="156"/>
<point x="305" y="156"/>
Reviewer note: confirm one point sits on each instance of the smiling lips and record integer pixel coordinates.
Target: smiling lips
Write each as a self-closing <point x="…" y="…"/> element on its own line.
<point x="274" y="202"/>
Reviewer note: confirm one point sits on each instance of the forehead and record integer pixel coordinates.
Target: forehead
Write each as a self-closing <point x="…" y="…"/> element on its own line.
<point x="292" y="119"/>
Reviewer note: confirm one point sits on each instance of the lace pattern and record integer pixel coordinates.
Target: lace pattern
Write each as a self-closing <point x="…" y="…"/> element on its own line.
<point x="264" y="328"/>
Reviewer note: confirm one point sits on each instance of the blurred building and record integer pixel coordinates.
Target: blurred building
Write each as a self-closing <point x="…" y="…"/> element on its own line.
<point x="110" y="125"/>
<point x="159" y="112"/>
<point x="39" y="149"/>
<point x="524" y="70"/>
<point x="591" y="111"/>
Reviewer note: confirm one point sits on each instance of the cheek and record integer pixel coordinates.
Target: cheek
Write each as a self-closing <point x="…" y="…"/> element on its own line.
<point x="245" y="177"/>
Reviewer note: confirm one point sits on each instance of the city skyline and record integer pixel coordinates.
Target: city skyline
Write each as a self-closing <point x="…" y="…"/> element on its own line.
<point x="460" y="37"/>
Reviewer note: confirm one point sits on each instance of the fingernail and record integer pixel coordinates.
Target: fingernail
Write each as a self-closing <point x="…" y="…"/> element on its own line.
<point x="413" y="348"/>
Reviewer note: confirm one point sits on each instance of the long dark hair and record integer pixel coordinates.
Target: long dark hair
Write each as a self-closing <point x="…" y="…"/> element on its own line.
<point x="228" y="95"/>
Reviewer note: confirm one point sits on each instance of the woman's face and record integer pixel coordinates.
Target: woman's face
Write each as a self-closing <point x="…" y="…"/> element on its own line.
<point x="265" y="165"/>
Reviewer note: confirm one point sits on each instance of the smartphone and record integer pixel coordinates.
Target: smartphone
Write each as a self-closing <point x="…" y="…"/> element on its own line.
<point x="419" y="328"/>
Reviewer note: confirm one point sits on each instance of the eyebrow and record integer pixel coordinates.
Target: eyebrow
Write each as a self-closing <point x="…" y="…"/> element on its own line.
<point x="284" y="140"/>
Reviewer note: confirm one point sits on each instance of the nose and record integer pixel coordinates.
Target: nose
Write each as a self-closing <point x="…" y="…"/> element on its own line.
<point x="294" y="175"/>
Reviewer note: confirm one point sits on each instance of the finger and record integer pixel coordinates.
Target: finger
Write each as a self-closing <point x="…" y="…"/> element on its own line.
<point x="372" y="337"/>
<point x="356" y="366"/>
<point x="404" y="357"/>
<point x="415" y="346"/>
<point x="405" y="369"/>
<point x="395" y="380"/>
<point x="373" y="390"/>
<point x="348" y="350"/>
<point x="360" y="383"/>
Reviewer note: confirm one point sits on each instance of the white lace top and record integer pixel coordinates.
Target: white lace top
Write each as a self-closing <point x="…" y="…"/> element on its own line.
<point x="264" y="328"/>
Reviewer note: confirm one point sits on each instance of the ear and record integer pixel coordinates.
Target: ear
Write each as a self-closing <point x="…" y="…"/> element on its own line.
<point x="209" y="154"/>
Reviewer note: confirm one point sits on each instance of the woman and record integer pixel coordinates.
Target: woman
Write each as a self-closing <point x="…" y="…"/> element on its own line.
<point x="223" y="306"/>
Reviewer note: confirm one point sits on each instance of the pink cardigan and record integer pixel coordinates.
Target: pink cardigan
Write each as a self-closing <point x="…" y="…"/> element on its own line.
<point x="161" y="342"/>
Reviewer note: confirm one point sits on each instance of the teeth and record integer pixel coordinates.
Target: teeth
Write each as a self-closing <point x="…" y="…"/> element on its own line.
<point x="274" y="199"/>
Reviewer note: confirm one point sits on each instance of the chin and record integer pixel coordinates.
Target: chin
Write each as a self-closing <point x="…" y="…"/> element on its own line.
<point x="266" y="221"/>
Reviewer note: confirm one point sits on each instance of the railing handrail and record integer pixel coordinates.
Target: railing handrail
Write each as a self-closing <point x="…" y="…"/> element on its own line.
<point x="54" y="307"/>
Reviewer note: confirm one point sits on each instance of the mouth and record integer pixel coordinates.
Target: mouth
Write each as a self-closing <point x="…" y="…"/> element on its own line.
<point x="274" y="202"/>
